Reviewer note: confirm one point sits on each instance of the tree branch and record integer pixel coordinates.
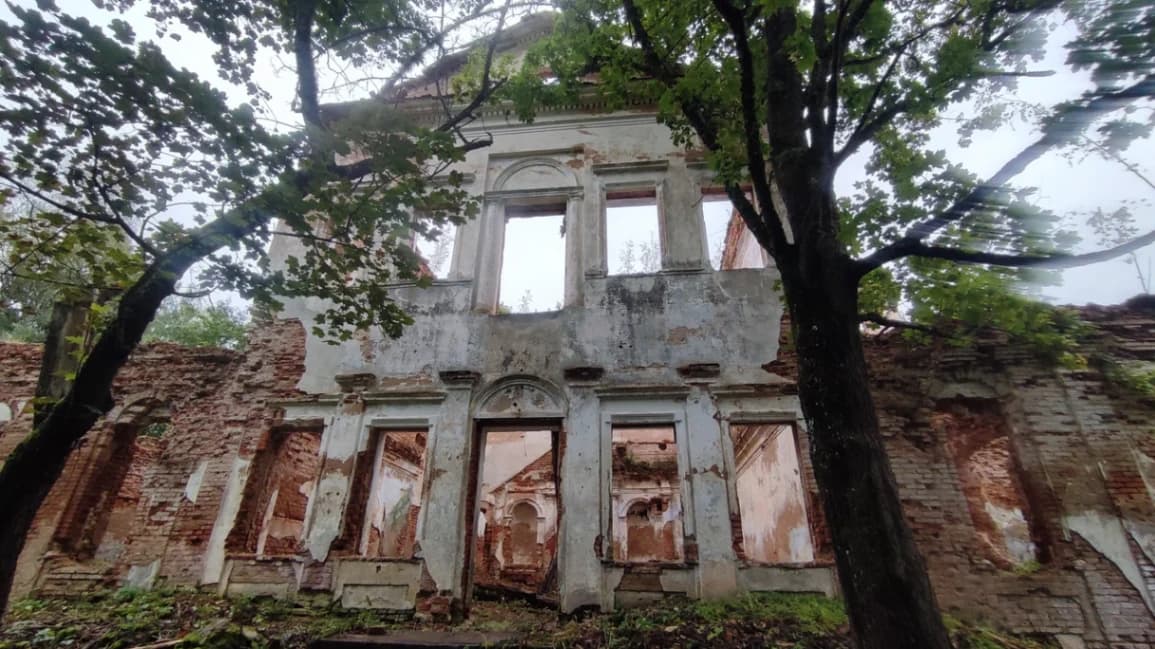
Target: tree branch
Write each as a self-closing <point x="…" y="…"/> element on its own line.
<point x="753" y="140"/>
<point x="1055" y="261"/>
<point x="488" y="87"/>
<point x="1058" y="132"/>
<point x="768" y="232"/>
<point x="890" y="323"/>
<point x="866" y="128"/>
<point x="845" y="31"/>
<point x="306" y="67"/>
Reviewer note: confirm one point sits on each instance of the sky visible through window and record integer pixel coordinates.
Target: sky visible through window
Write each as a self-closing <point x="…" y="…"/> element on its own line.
<point x="437" y="251"/>
<point x="632" y="239"/>
<point x="716" y="212"/>
<point x="532" y="265"/>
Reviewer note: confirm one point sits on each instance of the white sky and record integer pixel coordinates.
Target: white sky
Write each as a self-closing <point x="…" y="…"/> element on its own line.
<point x="1063" y="184"/>
<point x="533" y="264"/>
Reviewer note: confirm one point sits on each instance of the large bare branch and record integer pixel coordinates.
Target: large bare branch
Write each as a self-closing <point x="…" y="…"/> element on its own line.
<point x="845" y="31"/>
<point x="768" y="231"/>
<point x="1057" y="133"/>
<point x="306" y="66"/>
<point x="1055" y="261"/>
<point x="488" y="86"/>
<point x="748" y="91"/>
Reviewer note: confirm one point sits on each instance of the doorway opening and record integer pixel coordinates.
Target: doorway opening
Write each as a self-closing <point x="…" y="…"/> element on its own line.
<point x="514" y="537"/>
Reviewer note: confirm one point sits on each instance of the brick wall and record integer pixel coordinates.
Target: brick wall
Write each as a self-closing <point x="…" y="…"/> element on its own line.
<point x="217" y="404"/>
<point x="1076" y="442"/>
<point x="1081" y="450"/>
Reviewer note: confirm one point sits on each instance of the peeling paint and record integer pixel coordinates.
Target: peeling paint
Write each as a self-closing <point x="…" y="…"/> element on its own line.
<point x="226" y="515"/>
<point x="193" y="487"/>
<point x="1105" y="533"/>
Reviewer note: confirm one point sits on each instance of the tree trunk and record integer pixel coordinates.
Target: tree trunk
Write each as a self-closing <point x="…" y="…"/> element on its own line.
<point x="883" y="577"/>
<point x="34" y="466"/>
<point x="61" y="354"/>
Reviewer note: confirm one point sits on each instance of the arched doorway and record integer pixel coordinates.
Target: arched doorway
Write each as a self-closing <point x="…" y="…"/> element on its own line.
<point x="513" y="538"/>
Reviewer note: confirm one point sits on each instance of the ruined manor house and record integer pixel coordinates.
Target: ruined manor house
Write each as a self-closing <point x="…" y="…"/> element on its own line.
<point x="595" y="417"/>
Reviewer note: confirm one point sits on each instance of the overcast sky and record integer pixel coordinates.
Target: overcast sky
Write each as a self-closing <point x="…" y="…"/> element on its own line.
<point x="1064" y="184"/>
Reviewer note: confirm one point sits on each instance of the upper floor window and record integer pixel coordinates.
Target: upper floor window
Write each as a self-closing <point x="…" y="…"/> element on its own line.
<point x="717" y="213"/>
<point x="435" y="250"/>
<point x="729" y="243"/>
<point x="533" y="259"/>
<point x="633" y="232"/>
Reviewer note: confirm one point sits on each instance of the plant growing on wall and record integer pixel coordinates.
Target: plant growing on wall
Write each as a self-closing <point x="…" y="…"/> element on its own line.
<point x="779" y="95"/>
<point x="141" y="169"/>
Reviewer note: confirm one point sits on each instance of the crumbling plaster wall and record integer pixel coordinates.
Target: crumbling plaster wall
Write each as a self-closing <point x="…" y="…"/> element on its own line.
<point x="1078" y="440"/>
<point x="217" y="401"/>
<point x="636" y="330"/>
<point x="684" y="347"/>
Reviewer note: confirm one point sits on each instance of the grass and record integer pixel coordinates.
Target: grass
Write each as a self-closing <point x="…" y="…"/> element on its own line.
<point x="128" y="618"/>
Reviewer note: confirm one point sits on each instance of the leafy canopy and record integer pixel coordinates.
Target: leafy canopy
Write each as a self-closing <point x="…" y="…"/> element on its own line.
<point x="765" y="87"/>
<point x="139" y="168"/>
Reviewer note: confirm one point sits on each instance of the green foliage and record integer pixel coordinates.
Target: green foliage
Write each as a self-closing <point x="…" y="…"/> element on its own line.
<point x="110" y="140"/>
<point x="1138" y="377"/>
<point x="119" y="619"/>
<point x="1028" y="567"/>
<point x="904" y="67"/>
<point x="195" y="325"/>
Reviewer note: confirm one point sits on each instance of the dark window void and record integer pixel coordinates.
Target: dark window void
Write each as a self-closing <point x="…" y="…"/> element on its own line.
<point x="533" y="260"/>
<point x="271" y="521"/>
<point x="97" y="522"/>
<point x="645" y="494"/>
<point x="771" y="501"/>
<point x="633" y="231"/>
<point x="516" y="531"/>
<point x="976" y="435"/>
<point x="395" y="494"/>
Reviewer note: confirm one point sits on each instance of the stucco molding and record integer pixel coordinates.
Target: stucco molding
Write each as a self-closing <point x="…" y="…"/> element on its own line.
<point x="520" y="396"/>
<point x="512" y="171"/>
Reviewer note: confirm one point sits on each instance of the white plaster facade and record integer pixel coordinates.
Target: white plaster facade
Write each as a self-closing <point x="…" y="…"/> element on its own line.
<point x="682" y="347"/>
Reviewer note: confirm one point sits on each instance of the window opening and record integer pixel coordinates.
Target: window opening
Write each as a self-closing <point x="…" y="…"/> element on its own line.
<point x="276" y="502"/>
<point x="435" y="250"/>
<point x="516" y="532"/>
<point x="976" y="435"/>
<point x="633" y="232"/>
<point x="645" y="492"/>
<point x="729" y="242"/>
<point x="395" y="495"/>
<point x="771" y="500"/>
<point x="533" y="260"/>
<point x="98" y="521"/>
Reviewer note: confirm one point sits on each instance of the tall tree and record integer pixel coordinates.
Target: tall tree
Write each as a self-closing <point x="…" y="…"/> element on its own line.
<point x="113" y="139"/>
<point x="780" y="95"/>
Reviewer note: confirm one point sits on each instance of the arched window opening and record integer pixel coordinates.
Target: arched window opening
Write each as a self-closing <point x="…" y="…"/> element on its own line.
<point x="99" y="518"/>
<point x="523" y="534"/>
<point x="977" y="436"/>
